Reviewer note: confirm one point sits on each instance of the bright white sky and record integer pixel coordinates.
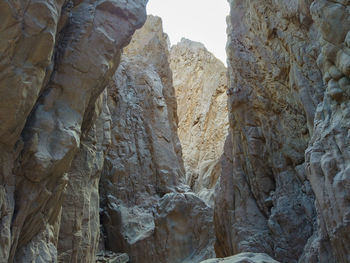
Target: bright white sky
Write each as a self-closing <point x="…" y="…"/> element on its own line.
<point x="198" y="20"/>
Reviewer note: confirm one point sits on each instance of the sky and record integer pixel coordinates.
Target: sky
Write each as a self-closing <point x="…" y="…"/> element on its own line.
<point x="198" y="20"/>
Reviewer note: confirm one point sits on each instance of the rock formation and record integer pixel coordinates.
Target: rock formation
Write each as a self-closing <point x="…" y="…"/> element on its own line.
<point x="147" y="210"/>
<point x="78" y="237"/>
<point x="278" y="178"/>
<point x="284" y="172"/>
<point x="56" y="58"/>
<point x="244" y="258"/>
<point x="200" y="85"/>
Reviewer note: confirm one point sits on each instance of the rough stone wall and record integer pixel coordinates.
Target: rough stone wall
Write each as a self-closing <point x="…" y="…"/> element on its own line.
<point x="282" y="189"/>
<point x="200" y="84"/>
<point x="56" y="57"/>
<point x="327" y="157"/>
<point x="78" y="237"/>
<point x="147" y="210"/>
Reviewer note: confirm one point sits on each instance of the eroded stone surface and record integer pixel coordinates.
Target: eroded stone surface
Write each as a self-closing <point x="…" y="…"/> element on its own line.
<point x="147" y="210"/>
<point x="265" y="204"/>
<point x="244" y="258"/>
<point x="80" y="225"/>
<point x="200" y="85"/>
<point x="327" y="157"/>
<point x="56" y="58"/>
<point x="288" y="66"/>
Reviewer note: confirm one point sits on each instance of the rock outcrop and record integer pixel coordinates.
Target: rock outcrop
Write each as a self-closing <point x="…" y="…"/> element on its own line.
<point x="327" y="157"/>
<point x="200" y="84"/>
<point x="83" y="140"/>
<point x="244" y="258"/>
<point x="56" y="58"/>
<point x="80" y="219"/>
<point x="282" y="189"/>
<point x="147" y="211"/>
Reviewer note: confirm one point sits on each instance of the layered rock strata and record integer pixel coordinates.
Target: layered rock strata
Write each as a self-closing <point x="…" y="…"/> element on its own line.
<point x="200" y="84"/>
<point x="147" y="211"/>
<point x="56" y="57"/>
<point x="282" y="189"/>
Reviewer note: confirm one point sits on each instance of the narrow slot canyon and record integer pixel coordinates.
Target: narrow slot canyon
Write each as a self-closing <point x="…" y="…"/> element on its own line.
<point x="118" y="145"/>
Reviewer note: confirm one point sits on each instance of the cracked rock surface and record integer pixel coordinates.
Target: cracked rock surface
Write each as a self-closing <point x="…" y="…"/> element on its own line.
<point x="200" y="84"/>
<point x="56" y="58"/>
<point x="147" y="210"/>
<point x="282" y="190"/>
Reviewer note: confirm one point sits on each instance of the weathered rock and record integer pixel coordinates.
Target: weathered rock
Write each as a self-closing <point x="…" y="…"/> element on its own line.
<point x="56" y="58"/>
<point x="287" y="132"/>
<point x="147" y="211"/>
<point x="244" y="258"/>
<point x="327" y="157"/>
<point x="264" y="201"/>
<point x="110" y="257"/>
<point x="200" y="85"/>
<point x="80" y="225"/>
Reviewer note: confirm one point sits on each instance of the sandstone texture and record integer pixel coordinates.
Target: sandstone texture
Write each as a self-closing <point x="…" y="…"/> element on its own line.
<point x="283" y="190"/>
<point x="244" y="258"/>
<point x="56" y="58"/>
<point x="200" y="84"/>
<point x="146" y="209"/>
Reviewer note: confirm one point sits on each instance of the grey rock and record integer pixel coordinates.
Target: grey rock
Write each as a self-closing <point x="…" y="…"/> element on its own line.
<point x="146" y="209"/>
<point x="56" y="59"/>
<point x="244" y="258"/>
<point x="282" y="190"/>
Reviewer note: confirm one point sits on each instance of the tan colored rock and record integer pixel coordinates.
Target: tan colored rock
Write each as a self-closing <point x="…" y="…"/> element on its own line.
<point x="244" y="258"/>
<point x="27" y="41"/>
<point x="147" y="210"/>
<point x="200" y="85"/>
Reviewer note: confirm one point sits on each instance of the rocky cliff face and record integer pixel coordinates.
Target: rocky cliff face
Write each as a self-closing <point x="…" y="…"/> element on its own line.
<point x="200" y="85"/>
<point x="147" y="210"/>
<point x="282" y="189"/>
<point x="56" y="57"/>
<point x="69" y="117"/>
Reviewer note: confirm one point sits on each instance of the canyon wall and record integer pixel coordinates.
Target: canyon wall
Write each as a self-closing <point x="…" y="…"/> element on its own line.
<point x="147" y="210"/>
<point x="56" y="58"/>
<point x="283" y="189"/>
<point x="200" y="84"/>
<point x="90" y="132"/>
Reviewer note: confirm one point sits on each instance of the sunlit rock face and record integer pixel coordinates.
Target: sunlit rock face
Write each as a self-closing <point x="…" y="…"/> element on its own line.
<point x="56" y="58"/>
<point x="283" y="189"/>
<point x="200" y="84"/>
<point x="146" y="209"/>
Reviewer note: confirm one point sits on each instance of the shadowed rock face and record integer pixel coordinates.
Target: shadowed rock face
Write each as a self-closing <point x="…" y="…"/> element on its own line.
<point x="282" y="189"/>
<point x="147" y="211"/>
<point x="56" y="59"/>
<point x="200" y="85"/>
